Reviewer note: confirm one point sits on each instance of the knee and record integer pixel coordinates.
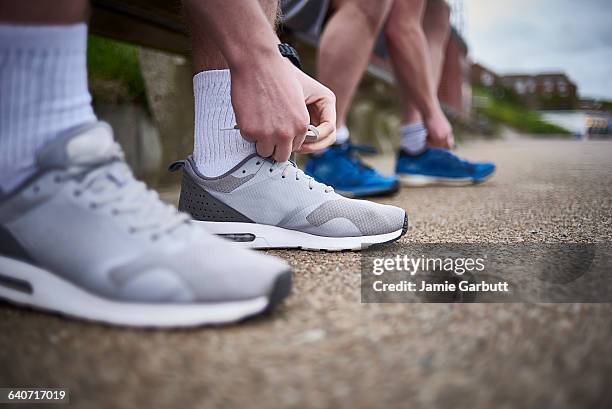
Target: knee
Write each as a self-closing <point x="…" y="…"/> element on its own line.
<point x="403" y="26"/>
<point x="374" y="12"/>
<point x="437" y="17"/>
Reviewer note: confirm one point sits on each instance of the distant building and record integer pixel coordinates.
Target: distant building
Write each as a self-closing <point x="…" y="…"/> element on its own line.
<point x="481" y="75"/>
<point x="540" y="91"/>
<point x="543" y="91"/>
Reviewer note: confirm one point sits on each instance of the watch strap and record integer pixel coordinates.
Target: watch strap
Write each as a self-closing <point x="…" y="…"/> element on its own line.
<point x="289" y="52"/>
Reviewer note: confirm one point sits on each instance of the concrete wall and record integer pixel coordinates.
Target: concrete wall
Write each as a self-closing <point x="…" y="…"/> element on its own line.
<point x="168" y="79"/>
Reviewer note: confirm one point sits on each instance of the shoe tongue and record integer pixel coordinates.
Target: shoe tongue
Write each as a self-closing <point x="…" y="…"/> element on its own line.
<point x="83" y="146"/>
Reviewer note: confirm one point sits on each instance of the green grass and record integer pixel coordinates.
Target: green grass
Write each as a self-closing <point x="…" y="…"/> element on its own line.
<point x="114" y="71"/>
<point x="509" y="112"/>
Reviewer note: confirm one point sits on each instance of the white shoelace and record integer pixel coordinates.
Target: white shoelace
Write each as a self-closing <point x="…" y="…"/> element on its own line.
<point x="289" y="168"/>
<point x="114" y="185"/>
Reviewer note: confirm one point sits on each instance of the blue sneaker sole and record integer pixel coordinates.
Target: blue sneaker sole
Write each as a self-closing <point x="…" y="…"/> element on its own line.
<point x="425" y="180"/>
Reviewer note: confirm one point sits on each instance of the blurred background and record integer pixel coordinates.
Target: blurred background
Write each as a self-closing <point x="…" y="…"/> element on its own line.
<point x="536" y="68"/>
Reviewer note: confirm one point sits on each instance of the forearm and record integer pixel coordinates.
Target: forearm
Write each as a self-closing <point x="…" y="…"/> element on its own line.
<point x="240" y="29"/>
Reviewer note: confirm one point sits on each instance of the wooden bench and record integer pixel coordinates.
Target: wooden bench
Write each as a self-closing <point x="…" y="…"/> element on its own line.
<point x="159" y="24"/>
<point x="149" y="23"/>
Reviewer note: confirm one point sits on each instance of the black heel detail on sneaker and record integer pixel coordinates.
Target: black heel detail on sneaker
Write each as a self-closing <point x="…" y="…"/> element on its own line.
<point x="10" y="246"/>
<point x="174" y="166"/>
<point x="202" y="206"/>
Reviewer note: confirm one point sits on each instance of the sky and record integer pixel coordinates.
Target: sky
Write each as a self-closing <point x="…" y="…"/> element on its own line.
<point x="528" y="36"/>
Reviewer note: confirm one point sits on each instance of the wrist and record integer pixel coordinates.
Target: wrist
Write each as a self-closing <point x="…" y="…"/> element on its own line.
<point x="431" y="111"/>
<point x="252" y="56"/>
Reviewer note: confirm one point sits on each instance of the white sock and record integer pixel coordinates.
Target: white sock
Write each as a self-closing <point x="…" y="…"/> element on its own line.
<point x="413" y="138"/>
<point x="43" y="92"/>
<point x="216" y="151"/>
<point x="342" y="135"/>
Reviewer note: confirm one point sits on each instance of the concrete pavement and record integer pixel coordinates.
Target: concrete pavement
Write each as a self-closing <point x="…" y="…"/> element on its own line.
<point x="325" y="349"/>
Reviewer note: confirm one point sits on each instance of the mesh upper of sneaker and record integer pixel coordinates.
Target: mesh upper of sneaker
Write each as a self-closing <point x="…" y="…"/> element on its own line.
<point x="280" y="194"/>
<point x="85" y="218"/>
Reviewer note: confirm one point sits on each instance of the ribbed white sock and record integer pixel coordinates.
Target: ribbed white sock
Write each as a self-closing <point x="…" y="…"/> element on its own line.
<point x="43" y="92"/>
<point x="413" y="138"/>
<point x="216" y="151"/>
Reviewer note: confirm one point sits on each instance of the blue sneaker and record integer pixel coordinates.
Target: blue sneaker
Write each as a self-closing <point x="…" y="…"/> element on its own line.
<point x="341" y="168"/>
<point x="438" y="166"/>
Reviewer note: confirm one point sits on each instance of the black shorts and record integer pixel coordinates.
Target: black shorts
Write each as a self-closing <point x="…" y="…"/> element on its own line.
<point x="307" y="19"/>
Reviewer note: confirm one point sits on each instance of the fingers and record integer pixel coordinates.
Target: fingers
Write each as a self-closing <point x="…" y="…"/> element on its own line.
<point x="444" y="142"/>
<point x="439" y="140"/>
<point x="322" y="111"/>
<point x="247" y="137"/>
<point x="437" y="143"/>
<point x="432" y="140"/>
<point x="319" y="144"/>
<point x="325" y="114"/>
<point x="297" y="142"/>
<point x="264" y="148"/>
<point x="282" y="152"/>
<point x="293" y="141"/>
<point x="327" y="130"/>
<point x="315" y="147"/>
<point x="275" y="143"/>
<point x="327" y="136"/>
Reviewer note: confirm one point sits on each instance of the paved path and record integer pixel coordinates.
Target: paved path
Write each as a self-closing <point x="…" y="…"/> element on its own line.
<point x="323" y="349"/>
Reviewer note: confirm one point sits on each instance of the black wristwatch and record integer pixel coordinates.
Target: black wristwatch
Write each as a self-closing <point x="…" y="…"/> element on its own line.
<point x="288" y="51"/>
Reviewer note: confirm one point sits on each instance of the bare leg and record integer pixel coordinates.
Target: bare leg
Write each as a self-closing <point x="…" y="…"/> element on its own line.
<point x="413" y="66"/>
<point x="346" y="46"/>
<point x="410" y="57"/>
<point x="436" y="27"/>
<point x="206" y="55"/>
<point x="43" y="11"/>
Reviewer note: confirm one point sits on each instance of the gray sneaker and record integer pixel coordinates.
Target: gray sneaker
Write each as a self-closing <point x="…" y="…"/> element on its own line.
<point x="264" y="204"/>
<point x="85" y="239"/>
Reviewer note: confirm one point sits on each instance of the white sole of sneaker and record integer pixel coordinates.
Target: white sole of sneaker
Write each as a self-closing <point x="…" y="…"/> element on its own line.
<point x="27" y="285"/>
<point x="263" y="236"/>
<point x="422" y="180"/>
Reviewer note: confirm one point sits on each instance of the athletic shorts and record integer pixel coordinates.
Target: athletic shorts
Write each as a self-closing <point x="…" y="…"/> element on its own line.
<point x="307" y="19"/>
